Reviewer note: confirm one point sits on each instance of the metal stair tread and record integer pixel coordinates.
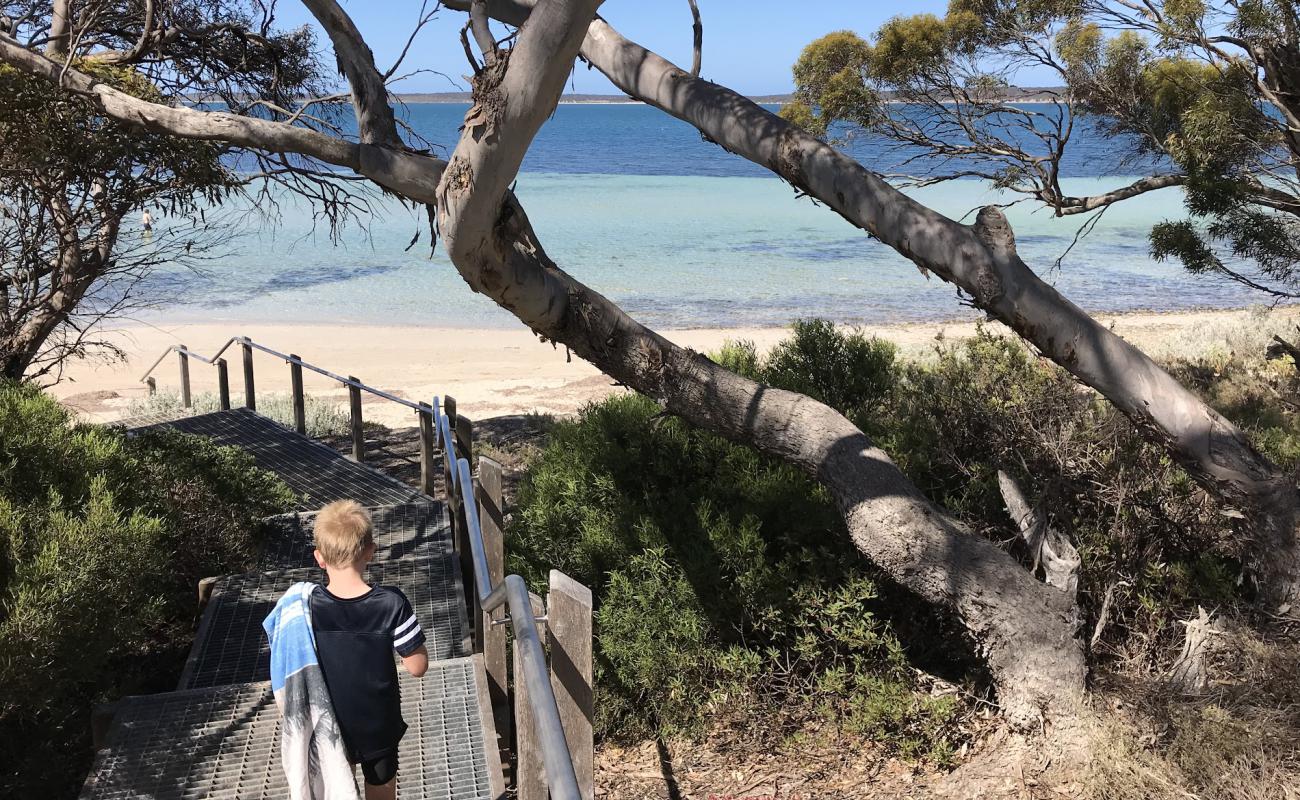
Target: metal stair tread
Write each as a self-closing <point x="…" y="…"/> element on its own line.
<point x="410" y="530"/>
<point x="230" y="646"/>
<point x="224" y="742"/>
<point x="317" y="473"/>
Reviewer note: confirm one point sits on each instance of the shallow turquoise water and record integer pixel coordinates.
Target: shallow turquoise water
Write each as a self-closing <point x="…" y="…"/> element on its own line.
<point x="720" y="246"/>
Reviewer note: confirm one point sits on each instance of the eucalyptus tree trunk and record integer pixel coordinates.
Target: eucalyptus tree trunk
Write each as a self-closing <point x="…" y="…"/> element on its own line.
<point x="982" y="260"/>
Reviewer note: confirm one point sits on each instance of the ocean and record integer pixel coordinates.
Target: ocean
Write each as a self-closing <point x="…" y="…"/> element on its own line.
<point x="679" y="232"/>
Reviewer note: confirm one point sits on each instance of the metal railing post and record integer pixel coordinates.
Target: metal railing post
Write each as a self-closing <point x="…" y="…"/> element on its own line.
<point x="250" y="391"/>
<point x="425" y="414"/>
<point x="183" y="357"/>
<point x="299" y="402"/>
<point x="223" y="384"/>
<point x="358" y="432"/>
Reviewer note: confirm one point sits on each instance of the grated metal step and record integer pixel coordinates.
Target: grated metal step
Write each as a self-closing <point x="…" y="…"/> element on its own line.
<point x="318" y="473"/>
<point x="230" y="646"/>
<point x="224" y="743"/>
<point x="417" y="530"/>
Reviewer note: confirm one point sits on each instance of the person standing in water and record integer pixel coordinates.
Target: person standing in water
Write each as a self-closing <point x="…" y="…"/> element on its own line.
<point x="146" y="220"/>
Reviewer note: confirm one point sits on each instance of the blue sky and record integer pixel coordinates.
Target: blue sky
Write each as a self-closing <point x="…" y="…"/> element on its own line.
<point x="749" y="45"/>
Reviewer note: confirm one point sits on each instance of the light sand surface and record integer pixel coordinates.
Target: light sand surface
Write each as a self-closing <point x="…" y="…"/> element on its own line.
<point x="492" y="372"/>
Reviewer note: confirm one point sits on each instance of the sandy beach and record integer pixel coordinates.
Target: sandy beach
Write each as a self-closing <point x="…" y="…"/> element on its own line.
<point x="496" y="372"/>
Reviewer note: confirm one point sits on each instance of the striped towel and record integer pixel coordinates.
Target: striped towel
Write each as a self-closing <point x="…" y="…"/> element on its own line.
<point x="311" y="746"/>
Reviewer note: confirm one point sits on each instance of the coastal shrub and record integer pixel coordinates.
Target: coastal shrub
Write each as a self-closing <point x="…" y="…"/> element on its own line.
<point x="724" y="584"/>
<point x="102" y="540"/>
<point x="1147" y="534"/>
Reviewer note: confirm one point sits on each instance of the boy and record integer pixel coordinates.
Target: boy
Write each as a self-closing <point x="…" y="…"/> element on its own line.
<point x="358" y="627"/>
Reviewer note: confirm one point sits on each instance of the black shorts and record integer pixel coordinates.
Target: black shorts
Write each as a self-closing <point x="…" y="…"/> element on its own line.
<point x="379" y="771"/>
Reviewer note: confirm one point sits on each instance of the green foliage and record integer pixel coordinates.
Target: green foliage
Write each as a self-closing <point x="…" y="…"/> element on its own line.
<point x="1143" y="528"/>
<point x="102" y="540"/>
<point x="845" y="370"/>
<point x="61" y="136"/>
<point x="829" y="84"/>
<point x="724" y="582"/>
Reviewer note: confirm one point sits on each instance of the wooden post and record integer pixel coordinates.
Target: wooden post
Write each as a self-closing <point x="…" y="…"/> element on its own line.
<point x="223" y="384"/>
<point x="489" y="639"/>
<point x="463" y="430"/>
<point x="250" y="392"/>
<point x="299" y="402"/>
<point x="358" y="433"/>
<point x="426" y="448"/>
<point x="530" y="771"/>
<point x="568" y="622"/>
<point x="183" y="356"/>
<point x="463" y="434"/>
<point x="449" y="408"/>
<point x="152" y="384"/>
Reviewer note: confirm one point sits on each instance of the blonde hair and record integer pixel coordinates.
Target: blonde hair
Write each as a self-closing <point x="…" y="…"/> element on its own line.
<point x="343" y="532"/>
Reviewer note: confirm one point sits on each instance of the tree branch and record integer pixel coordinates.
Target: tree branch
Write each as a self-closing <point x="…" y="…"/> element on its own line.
<point x="375" y="121"/>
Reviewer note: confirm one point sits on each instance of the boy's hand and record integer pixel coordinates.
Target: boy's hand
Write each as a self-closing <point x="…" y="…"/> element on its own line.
<point x="417" y="663"/>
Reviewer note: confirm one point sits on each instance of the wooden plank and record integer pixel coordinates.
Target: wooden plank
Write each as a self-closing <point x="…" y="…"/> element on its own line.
<point x="530" y="771"/>
<point x="183" y="357"/>
<point x="358" y="430"/>
<point x="299" y="401"/>
<point x="568" y="623"/>
<point x="250" y="391"/>
<point x="490" y="640"/>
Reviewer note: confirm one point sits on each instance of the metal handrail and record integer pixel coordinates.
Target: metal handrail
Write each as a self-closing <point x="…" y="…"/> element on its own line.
<point x="512" y="593"/>
<point x="289" y="359"/>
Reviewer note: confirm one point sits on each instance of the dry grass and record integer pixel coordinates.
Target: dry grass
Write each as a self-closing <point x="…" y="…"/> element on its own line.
<point x="1240" y="741"/>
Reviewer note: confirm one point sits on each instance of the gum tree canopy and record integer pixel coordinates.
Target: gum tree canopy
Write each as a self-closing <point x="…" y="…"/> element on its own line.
<point x="1025" y="629"/>
<point x="1203" y="95"/>
<point x="70" y="175"/>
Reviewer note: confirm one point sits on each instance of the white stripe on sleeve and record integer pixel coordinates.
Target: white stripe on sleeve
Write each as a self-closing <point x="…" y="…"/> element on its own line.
<point x="409" y="622"/>
<point x="408" y="637"/>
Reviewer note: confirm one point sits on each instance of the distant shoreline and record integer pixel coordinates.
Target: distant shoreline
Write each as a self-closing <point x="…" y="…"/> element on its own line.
<point x="1014" y="95"/>
<point x="510" y="371"/>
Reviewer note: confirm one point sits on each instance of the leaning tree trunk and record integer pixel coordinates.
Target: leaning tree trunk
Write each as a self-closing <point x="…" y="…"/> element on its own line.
<point x="982" y="260"/>
<point x="1025" y="629"/>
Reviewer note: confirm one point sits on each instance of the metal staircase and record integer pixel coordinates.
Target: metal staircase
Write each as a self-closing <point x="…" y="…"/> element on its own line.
<point x="218" y="735"/>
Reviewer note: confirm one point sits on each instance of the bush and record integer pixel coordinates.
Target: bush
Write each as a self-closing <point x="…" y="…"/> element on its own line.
<point x="93" y="522"/>
<point x="724" y="581"/>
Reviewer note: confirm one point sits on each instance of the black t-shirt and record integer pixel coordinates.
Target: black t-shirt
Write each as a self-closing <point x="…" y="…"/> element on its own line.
<point x="355" y="641"/>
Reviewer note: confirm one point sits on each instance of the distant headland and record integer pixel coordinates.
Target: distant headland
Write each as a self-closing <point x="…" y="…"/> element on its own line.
<point x="1016" y="94"/>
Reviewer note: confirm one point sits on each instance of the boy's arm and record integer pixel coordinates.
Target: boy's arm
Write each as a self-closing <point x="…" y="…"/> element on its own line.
<point x="417" y="663"/>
